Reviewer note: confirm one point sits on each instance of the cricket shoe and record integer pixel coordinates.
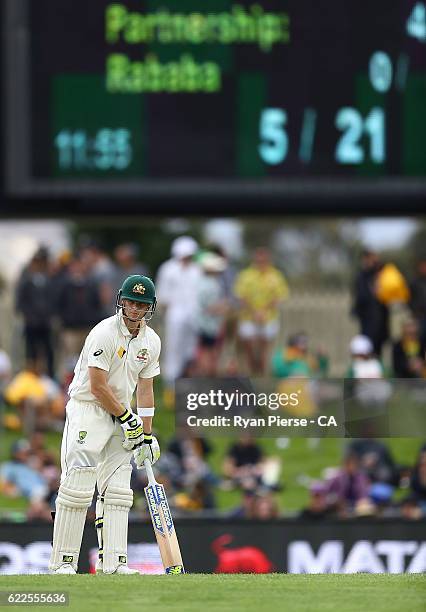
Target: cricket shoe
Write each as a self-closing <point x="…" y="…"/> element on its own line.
<point x="121" y="569"/>
<point x="65" y="568"/>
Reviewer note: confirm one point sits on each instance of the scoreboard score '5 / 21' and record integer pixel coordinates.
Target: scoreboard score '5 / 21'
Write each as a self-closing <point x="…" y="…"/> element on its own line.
<point x="133" y="93"/>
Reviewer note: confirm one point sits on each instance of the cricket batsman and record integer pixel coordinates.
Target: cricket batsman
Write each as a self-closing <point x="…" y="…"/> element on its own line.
<point x="101" y="432"/>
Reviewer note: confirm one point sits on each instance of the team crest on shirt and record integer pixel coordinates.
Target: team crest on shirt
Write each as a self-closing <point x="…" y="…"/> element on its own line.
<point x="142" y="355"/>
<point x="81" y="436"/>
<point x="139" y="288"/>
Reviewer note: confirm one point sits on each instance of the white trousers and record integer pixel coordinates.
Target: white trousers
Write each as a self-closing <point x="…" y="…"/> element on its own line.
<point x="92" y="438"/>
<point x="180" y="343"/>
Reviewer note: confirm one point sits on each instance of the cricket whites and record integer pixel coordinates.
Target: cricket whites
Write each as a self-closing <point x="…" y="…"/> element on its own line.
<point x="162" y="521"/>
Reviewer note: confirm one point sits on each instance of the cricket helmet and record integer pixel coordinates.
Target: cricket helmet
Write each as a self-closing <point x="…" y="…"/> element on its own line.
<point x="139" y="289"/>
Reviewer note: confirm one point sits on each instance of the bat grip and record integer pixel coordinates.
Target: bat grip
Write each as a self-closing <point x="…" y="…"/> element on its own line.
<point x="149" y="472"/>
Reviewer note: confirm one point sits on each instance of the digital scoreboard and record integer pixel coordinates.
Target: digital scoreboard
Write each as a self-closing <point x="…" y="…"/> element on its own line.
<point x="216" y="97"/>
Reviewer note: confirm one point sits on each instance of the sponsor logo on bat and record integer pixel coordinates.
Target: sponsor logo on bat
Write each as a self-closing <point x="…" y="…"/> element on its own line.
<point x="153" y="508"/>
<point x="162" y="500"/>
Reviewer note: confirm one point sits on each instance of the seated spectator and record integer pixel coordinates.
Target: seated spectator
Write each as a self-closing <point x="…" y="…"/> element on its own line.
<point x="371" y="391"/>
<point x="192" y="473"/>
<point x="45" y="462"/>
<point x="243" y="463"/>
<point x="376" y="460"/>
<point x="244" y="510"/>
<point x="418" y="479"/>
<point x="265" y="505"/>
<point x="380" y="494"/>
<point x="256" y="503"/>
<point x="296" y="360"/>
<point x="348" y="486"/>
<point x="318" y="507"/>
<point x="37" y="398"/>
<point x="364" y="364"/>
<point x="17" y="478"/>
<point x="40" y="456"/>
<point x="410" y="509"/>
<point x="212" y="308"/>
<point x="408" y="353"/>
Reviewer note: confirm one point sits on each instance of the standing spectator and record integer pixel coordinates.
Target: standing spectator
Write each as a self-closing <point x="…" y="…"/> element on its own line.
<point x="34" y="302"/>
<point x="126" y="264"/>
<point x="5" y="369"/>
<point x="97" y="261"/>
<point x="177" y="293"/>
<point x="212" y="308"/>
<point x="261" y="288"/>
<point x="228" y="275"/>
<point x="78" y="307"/>
<point x="227" y="281"/>
<point x="409" y="353"/>
<point x="100" y="270"/>
<point x="372" y="314"/>
<point x="418" y="297"/>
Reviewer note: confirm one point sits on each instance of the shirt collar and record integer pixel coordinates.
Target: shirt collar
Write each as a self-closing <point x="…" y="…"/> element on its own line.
<point x="123" y="327"/>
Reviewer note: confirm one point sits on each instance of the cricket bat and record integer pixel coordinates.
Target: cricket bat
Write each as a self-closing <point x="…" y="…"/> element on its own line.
<point x="162" y="522"/>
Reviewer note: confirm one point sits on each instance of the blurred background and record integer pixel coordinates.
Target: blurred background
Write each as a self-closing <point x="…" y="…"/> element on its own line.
<point x="265" y="165"/>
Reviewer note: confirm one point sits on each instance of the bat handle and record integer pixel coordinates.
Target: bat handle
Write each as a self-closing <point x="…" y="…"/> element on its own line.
<point x="149" y="472"/>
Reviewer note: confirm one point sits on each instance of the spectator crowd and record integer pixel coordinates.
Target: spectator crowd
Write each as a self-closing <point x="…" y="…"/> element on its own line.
<point x="215" y="320"/>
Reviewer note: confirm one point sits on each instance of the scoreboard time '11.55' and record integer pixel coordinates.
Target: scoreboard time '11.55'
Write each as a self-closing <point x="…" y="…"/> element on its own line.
<point x="219" y="96"/>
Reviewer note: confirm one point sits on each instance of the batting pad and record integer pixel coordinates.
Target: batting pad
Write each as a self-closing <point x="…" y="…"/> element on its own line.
<point x="118" y="499"/>
<point x="74" y="497"/>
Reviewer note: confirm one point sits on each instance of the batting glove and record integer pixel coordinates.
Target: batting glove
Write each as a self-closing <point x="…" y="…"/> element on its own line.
<point x="132" y="427"/>
<point x="150" y="449"/>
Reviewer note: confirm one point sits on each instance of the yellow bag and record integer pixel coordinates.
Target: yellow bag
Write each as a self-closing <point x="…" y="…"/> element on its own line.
<point x="391" y="285"/>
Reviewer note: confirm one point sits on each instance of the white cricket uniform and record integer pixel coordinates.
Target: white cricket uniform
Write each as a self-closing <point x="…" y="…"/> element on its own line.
<point x="177" y="289"/>
<point x="92" y="437"/>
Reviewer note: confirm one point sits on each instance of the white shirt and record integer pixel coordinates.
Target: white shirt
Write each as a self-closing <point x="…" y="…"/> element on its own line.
<point x="177" y="285"/>
<point x="110" y="346"/>
<point x="5" y="365"/>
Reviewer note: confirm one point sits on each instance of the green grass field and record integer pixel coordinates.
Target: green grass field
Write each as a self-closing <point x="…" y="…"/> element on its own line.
<point x="319" y="593"/>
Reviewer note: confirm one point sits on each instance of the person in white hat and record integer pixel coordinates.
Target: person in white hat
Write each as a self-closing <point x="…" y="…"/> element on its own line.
<point x="177" y="294"/>
<point x="364" y="364"/>
<point x="371" y="390"/>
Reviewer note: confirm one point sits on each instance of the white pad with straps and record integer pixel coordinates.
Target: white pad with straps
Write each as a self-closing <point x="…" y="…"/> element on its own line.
<point x="117" y="499"/>
<point x="99" y="525"/>
<point x="74" y="497"/>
